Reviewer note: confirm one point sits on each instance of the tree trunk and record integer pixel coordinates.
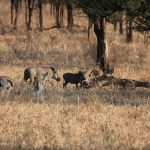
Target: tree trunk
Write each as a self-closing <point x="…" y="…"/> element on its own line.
<point x="61" y="16"/>
<point x="120" y="26"/>
<point x="115" y="26"/>
<point x="130" y="35"/>
<point x="99" y="29"/>
<point x="29" y="13"/>
<point x="26" y="12"/>
<point x="12" y="7"/>
<point x="52" y="8"/>
<point x="40" y="15"/>
<point x="129" y="29"/>
<point x="70" y="15"/>
<point x="57" y="15"/>
<point x="16" y="13"/>
<point x="90" y="23"/>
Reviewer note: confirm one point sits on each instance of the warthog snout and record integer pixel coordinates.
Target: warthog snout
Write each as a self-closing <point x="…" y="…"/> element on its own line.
<point x="82" y="78"/>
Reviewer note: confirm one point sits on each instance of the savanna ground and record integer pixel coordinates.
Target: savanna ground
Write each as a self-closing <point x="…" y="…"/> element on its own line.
<point x="98" y="118"/>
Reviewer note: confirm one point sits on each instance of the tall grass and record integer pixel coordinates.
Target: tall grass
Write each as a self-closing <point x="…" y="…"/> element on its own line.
<point x="98" y="118"/>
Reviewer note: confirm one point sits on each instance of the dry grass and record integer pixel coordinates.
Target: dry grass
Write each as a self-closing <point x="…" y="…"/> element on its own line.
<point x="86" y="126"/>
<point x="98" y="118"/>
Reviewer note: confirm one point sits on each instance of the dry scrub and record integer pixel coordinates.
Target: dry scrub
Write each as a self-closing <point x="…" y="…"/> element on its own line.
<point x="98" y="118"/>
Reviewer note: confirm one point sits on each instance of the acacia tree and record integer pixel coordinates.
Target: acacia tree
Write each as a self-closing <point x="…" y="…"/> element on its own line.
<point x="40" y="4"/>
<point x="97" y="11"/>
<point x="138" y="16"/>
<point x="129" y="26"/>
<point x="70" y="19"/>
<point x="52" y="8"/>
<point x="29" y="4"/>
<point x="116" y="18"/>
<point x="132" y="9"/>
<point x="59" y="7"/>
<point x="121" y="25"/>
<point x="15" y="6"/>
<point x="142" y="19"/>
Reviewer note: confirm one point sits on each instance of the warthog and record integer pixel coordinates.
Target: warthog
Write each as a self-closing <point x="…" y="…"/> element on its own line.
<point x="94" y="81"/>
<point x="7" y="84"/>
<point x="32" y="72"/>
<point x="94" y="73"/>
<point x="39" y="82"/>
<point x="74" y="78"/>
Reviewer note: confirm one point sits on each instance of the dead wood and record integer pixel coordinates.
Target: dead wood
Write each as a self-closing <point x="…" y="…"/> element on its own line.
<point x="125" y="82"/>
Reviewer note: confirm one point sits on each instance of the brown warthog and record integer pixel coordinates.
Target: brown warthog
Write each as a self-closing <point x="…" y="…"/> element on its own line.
<point x="39" y="82"/>
<point x="94" y="81"/>
<point x="74" y="78"/>
<point x="94" y="73"/>
<point x="32" y="72"/>
<point x="7" y="84"/>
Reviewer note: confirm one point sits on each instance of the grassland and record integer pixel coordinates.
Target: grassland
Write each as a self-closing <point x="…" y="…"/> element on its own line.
<point x="98" y="118"/>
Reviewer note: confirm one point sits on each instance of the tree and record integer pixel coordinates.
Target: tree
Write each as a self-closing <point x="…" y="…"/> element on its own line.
<point x="97" y="11"/>
<point x="114" y="19"/>
<point x="52" y="8"/>
<point x="70" y="15"/>
<point x="129" y="26"/>
<point x="121" y="25"/>
<point x="29" y="4"/>
<point x="131" y="10"/>
<point x="59" y="5"/>
<point x="138" y="16"/>
<point x="15" y="4"/>
<point x="142" y="19"/>
<point x="70" y="20"/>
<point x="40" y="4"/>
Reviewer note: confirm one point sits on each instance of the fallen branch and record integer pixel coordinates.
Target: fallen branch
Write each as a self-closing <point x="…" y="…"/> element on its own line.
<point x="125" y="82"/>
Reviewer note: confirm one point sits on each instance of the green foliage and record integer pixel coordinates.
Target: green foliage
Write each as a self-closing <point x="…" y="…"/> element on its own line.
<point x="142" y="21"/>
<point x="111" y="9"/>
<point x="115" y="17"/>
<point x="96" y="9"/>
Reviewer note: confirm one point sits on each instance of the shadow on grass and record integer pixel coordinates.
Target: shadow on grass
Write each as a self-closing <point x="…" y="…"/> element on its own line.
<point x="115" y="96"/>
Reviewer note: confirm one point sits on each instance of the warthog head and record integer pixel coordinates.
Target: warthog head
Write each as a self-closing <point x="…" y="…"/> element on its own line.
<point x="55" y="76"/>
<point x="82" y="75"/>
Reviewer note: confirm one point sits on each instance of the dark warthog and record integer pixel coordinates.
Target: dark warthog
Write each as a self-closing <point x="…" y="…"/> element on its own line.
<point x="32" y="72"/>
<point x="74" y="78"/>
<point x="7" y="84"/>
